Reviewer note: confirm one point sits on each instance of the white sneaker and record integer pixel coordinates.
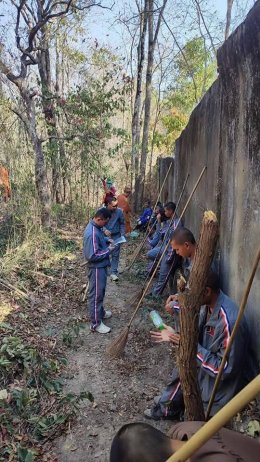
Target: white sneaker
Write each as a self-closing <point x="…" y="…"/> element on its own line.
<point x="108" y="314"/>
<point x="114" y="277"/>
<point x="102" y="329"/>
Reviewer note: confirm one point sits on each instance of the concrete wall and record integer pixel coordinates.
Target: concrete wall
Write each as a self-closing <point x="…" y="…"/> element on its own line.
<point x="224" y="134"/>
<point x="163" y="165"/>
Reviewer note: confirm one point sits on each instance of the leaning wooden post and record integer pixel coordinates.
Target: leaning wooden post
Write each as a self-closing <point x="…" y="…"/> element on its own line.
<point x="190" y="301"/>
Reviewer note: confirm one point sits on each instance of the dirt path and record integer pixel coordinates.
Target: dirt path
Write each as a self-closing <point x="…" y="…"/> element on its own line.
<point x="122" y="389"/>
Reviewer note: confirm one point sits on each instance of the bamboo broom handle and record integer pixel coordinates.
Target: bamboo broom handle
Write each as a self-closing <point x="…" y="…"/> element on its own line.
<point x="171" y="221"/>
<point x="147" y="231"/>
<point x="234" y="331"/>
<point x="176" y="208"/>
<point x="219" y="420"/>
<point x="163" y="253"/>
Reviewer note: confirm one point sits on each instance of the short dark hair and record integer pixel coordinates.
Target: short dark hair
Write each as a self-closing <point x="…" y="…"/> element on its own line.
<point x="213" y="281"/>
<point x="148" y="201"/>
<point x="103" y="213"/>
<point x="110" y="199"/>
<point x="182" y="235"/>
<point x="170" y="206"/>
<point x="140" y="442"/>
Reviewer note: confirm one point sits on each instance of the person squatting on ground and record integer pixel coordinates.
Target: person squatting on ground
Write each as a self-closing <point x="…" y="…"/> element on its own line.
<point x="183" y="245"/>
<point x="159" y="242"/>
<point x="170" y="261"/>
<point x="158" y="210"/>
<point x="217" y="319"/>
<point x="158" y="226"/>
<point x="114" y="229"/>
<point x="140" y="442"/>
<point x="144" y="219"/>
<point x="123" y="203"/>
<point x="97" y="252"/>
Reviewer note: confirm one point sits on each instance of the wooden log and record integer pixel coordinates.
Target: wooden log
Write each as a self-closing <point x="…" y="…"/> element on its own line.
<point x="190" y="301"/>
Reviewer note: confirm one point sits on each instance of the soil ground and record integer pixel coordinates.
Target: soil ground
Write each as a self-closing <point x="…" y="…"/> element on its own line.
<point x="122" y="388"/>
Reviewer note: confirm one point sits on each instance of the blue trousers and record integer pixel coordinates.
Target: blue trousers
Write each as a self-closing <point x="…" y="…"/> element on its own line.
<point x="114" y="259"/>
<point x="153" y="255"/>
<point x="166" y="269"/>
<point x="96" y="294"/>
<point x="171" y="404"/>
<point x="155" y="239"/>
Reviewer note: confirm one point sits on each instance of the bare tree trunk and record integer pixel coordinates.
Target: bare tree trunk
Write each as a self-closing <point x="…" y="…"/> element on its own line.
<point x="152" y="39"/>
<point x="138" y="95"/>
<point x="62" y="151"/>
<point x="49" y="109"/>
<point x="40" y="168"/>
<point x="228" y="17"/>
<point x="190" y="301"/>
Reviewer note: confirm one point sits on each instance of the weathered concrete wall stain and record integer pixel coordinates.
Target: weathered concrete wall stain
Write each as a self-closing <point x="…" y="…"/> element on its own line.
<point x="223" y="133"/>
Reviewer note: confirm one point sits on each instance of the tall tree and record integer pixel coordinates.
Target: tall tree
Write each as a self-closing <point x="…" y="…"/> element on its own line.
<point x="152" y="39"/>
<point x="136" y="123"/>
<point x="30" y="26"/>
<point x="228" y="17"/>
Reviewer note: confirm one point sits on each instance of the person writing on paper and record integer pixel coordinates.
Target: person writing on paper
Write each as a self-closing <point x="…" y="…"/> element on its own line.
<point x="114" y="229"/>
<point x="96" y="252"/>
<point x="140" y="442"/>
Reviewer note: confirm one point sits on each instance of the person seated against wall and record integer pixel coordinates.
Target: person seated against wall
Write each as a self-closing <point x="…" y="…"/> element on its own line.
<point x="144" y="219"/>
<point x="163" y="236"/>
<point x="140" y="442"/>
<point x="217" y="318"/>
<point x="155" y="226"/>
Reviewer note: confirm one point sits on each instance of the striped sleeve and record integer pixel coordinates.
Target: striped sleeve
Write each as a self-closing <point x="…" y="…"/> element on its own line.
<point x="210" y="359"/>
<point x="93" y="250"/>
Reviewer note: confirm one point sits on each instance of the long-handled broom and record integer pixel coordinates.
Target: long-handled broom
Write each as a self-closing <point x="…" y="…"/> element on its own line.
<point x="117" y="346"/>
<point x="147" y="230"/>
<point x="234" y="331"/>
<point x="136" y="297"/>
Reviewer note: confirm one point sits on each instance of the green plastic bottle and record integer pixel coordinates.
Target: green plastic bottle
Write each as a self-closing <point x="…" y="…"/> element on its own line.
<point x="157" y="320"/>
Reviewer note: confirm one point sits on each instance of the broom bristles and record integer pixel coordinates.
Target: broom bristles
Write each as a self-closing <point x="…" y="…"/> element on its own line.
<point x="133" y="300"/>
<point x="117" y="346"/>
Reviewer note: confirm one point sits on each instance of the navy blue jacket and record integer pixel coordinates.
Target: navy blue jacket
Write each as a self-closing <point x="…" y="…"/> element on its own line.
<point x="95" y="248"/>
<point x="214" y="336"/>
<point x="116" y="224"/>
<point x="146" y="215"/>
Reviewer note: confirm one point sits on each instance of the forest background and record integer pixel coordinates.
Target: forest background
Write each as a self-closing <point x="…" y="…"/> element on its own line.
<point x="88" y="89"/>
<point x="97" y="88"/>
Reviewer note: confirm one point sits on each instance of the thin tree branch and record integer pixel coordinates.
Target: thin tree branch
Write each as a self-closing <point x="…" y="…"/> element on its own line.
<point x="185" y="60"/>
<point x="205" y="25"/>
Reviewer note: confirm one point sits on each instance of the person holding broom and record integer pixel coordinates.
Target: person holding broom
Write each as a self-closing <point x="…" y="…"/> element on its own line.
<point x="217" y="318"/>
<point x="140" y="442"/>
<point x="96" y="252"/>
<point x="161" y="240"/>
